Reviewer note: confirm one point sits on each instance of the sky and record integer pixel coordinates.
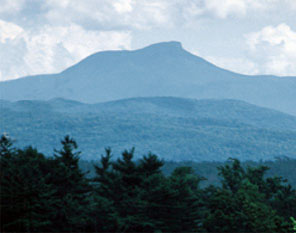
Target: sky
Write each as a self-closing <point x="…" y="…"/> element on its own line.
<point x="245" y="36"/>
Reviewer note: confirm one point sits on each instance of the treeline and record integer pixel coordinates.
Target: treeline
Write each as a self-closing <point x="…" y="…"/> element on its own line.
<point x="52" y="194"/>
<point x="282" y="166"/>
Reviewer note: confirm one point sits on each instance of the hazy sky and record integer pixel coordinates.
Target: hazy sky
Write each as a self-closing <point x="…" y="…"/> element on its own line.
<point x="247" y="36"/>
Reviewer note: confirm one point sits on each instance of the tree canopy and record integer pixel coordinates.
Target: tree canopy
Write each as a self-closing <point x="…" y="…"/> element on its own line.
<point x="53" y="194"/>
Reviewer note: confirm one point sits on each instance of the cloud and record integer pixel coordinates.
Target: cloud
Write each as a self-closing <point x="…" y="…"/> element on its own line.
<point x="145" y="14"/>
<point x="239" y="65"/>
<point x="123" y="6"/>
<point x="11" y="6"/>
<point x="9" y="31"/>
<point x="47" y="36"/>
<point x="116" y="14"/>
<point x="52" y="48"/>
<point x="290" y="3"/>
<point x="241" y="8"/>
<point x="228" y="7"/>
<point x="274" y="49"/>
<point x="133" y="13"/>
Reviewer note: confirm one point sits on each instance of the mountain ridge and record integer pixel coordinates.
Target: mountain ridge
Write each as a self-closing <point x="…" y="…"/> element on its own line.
<point x="163" y="69"/>
<point x="174" y="128"/>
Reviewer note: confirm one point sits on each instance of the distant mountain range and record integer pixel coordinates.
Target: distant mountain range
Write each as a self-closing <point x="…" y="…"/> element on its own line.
<point x="163" y="69"/>
<point x="174" y="128"/>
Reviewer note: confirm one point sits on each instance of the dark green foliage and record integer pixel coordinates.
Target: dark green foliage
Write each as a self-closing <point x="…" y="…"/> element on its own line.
<point x="73" y="189"/>
<point x="281" y="167"/>
<point x="143" y="200"/>
<point x="188" y="201"/>
<point x="40" y="194"/>
<point x="243" y="211"/>
<point x="6" y="150"/>
<point x="27" y="199"/>
<point x="245" y="202"/>
<point x="67" y="156"/>
<point x="294" y="223"/>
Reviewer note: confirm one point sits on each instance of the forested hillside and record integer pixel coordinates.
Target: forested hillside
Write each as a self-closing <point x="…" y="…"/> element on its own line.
<point x="174" y="128"/>
<point x="52" y="194"/>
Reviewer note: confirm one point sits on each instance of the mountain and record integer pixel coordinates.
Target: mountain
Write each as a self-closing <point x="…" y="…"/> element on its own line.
<point x="174" y="128"/>
<point x="163" y="69"/>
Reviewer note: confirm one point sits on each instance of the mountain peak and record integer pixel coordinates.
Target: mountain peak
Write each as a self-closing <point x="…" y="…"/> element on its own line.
<point x="162" y="69"/>
<point x="168" y="45"/>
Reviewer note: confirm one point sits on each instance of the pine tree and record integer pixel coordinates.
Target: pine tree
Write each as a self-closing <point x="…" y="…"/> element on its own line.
<point x="73" y="189"/>
<point x="294" y="223"/>
<point x="129" y="204"/>
<point x="6" y="147"/>
<point x="123" y="186"/>
<point x="27" y="199"/>
<point x="104" y="213"/>
<point x="241" y="205"/>
<point x="188" y="200"/>
<point x="142" y="199"/>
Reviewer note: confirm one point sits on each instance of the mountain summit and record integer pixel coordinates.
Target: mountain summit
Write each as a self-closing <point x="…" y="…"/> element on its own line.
<point x="163" y="69"/>
<point x="165" y="45"/>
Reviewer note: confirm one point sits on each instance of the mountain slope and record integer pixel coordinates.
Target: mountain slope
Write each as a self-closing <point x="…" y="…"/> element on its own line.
<point x="174" y="128"/>
<point x="163" y="69"/>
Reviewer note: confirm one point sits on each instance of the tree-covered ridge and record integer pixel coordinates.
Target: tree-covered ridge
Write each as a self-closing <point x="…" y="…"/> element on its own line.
<point x="206" y="130"/>
<point x="52" y="194"/>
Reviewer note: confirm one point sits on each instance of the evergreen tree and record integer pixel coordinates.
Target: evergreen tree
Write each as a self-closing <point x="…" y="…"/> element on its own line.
<point x="73" y="189"/>
<point x="27" y="199"/>
<point x="104" y="211"/>
<point x="188" y="201"/>
<point x="294" y="223"/>
<point x="142" y="199"/>
<point x="6" y="149"/>
<point x="40" y="194"/>
<point x="241" y="205"/>
<point x="127" y="191"/>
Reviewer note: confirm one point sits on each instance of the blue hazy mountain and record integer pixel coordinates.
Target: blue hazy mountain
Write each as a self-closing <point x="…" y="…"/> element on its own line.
<point x="163" y="69"/>
<point x="174" y="128"/>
